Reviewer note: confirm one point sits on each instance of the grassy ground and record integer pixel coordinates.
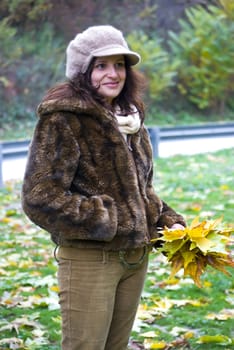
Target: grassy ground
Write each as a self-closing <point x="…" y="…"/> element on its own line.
<point x="17" y="131"/>
<point x="174" y="314"/>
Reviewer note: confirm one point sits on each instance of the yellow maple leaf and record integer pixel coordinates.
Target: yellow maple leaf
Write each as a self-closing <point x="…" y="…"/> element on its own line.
<point x="197" y="232"/>
<point x="202" y="243"/>
<point x="212" y="224"/>
<point x="195" y="222"/>
<point x="188" y="256"/>
<point x="177" y="263"/>
<point x="219" y="261"/>
<point x="172" y="235"/>
<point x="173" y="247"/>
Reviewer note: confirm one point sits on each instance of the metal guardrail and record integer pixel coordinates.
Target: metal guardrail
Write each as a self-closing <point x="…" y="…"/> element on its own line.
<point x="19" y="149"/>
<point x="197" y="131"/>
<point x="14" y="149"/>
<point x="188" y="132"/>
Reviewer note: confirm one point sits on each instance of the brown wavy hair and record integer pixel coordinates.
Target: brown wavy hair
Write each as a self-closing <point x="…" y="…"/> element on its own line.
<point x="81" y="87"/>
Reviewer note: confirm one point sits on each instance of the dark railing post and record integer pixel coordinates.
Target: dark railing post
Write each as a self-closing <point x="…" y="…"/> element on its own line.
<point x="1" y="161"/>
<point x="154" y="133"/>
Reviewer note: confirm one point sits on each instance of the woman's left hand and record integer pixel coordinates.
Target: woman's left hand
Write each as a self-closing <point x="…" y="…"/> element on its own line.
<point x="177" y="227"/>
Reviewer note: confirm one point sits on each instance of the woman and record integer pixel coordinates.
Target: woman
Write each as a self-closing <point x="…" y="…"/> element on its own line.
<point x="89" y="183"/>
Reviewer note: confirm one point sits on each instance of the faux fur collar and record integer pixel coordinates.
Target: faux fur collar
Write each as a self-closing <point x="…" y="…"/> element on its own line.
<point x="72" y="105"/>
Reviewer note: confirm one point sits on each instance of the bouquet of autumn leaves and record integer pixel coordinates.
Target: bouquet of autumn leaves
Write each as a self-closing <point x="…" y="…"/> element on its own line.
<point x="196" y="246"/>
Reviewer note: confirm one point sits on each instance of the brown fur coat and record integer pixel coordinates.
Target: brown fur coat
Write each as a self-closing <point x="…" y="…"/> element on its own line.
<point x="85" y="186"/>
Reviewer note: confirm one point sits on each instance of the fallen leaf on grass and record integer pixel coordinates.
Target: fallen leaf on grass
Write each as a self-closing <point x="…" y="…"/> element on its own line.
<point x="180" y="343"/>
<point x="49" y="280"/>
<point x="150" y="334"/>
<point x="145" y="313"/>
<point x="161" y="307"/>
<point x="13" y="343"/>
<point x="219" y="339"/>
<point x="20" y="322"/>
<point x="223" y="315"/>
<point x="186" y="332"/>
<point x="36" y="341"/>
<point x="149" y="344"/>
<point x="10" y="300"/>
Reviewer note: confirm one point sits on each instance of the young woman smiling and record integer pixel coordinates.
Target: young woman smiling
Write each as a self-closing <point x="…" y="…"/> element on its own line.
<point x="88" y="182"/>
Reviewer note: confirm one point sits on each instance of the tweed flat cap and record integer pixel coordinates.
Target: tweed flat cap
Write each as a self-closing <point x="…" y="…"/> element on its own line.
<point x="96" y="41"/>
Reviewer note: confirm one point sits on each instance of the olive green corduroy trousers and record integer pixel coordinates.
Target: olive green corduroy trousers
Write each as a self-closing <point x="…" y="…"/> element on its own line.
<point x="98" y="297"/>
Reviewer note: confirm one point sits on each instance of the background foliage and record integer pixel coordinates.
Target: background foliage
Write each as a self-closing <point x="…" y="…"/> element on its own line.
<point x="186" y="49"/>
<point x="205" y="56"/>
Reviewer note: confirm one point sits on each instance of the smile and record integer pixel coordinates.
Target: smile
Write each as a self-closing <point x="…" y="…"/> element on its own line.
<point x="111" y="84"/>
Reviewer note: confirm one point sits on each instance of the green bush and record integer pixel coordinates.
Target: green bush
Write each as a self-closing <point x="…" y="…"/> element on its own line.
<point x="228" y="8"/>
<point x="10" y="50"/>
<point x="205" y="51"/>
<point x="41" y="65"/>
<point x="26" y="14"/>
<point x="156" y="63"/>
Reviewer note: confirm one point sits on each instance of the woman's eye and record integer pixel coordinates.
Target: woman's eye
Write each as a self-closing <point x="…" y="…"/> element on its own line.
<point x="100" y="66"/>
<point x="120" y="64"/>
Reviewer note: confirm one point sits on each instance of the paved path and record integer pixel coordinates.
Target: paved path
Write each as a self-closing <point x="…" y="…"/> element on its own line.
<point x="195" y="146"/>
<point x="14" y="169"/>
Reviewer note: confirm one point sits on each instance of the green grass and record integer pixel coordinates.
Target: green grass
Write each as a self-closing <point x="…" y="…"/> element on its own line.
<point x="17" y="131"/>
<point x="201" y="184"/>
<point x="184" y="117"/>
<point x="176" y="311"/>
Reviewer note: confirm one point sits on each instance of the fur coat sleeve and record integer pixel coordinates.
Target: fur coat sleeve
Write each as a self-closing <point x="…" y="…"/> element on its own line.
<point x="48" y="198"/>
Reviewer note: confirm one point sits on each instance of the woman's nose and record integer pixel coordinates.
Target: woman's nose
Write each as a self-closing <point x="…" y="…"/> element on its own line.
<point x="112" y="72"/>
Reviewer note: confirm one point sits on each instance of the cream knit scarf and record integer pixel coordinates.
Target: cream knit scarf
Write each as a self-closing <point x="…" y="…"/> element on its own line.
<point x="128" y="124"/>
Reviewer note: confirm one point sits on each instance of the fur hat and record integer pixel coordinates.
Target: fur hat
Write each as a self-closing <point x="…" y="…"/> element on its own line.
<point x="96" y="41"/>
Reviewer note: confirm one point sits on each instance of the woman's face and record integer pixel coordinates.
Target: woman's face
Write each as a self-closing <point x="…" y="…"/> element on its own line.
<point x="108" y="76"/>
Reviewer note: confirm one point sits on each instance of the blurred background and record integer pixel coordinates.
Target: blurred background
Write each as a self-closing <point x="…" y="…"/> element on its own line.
<point x="187" y="50"/>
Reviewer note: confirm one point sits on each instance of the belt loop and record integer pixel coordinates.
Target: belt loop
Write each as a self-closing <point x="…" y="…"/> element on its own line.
<point x="55" y="253"/>
<point x="104" y="256"/>
<point x="132" y="266"/>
